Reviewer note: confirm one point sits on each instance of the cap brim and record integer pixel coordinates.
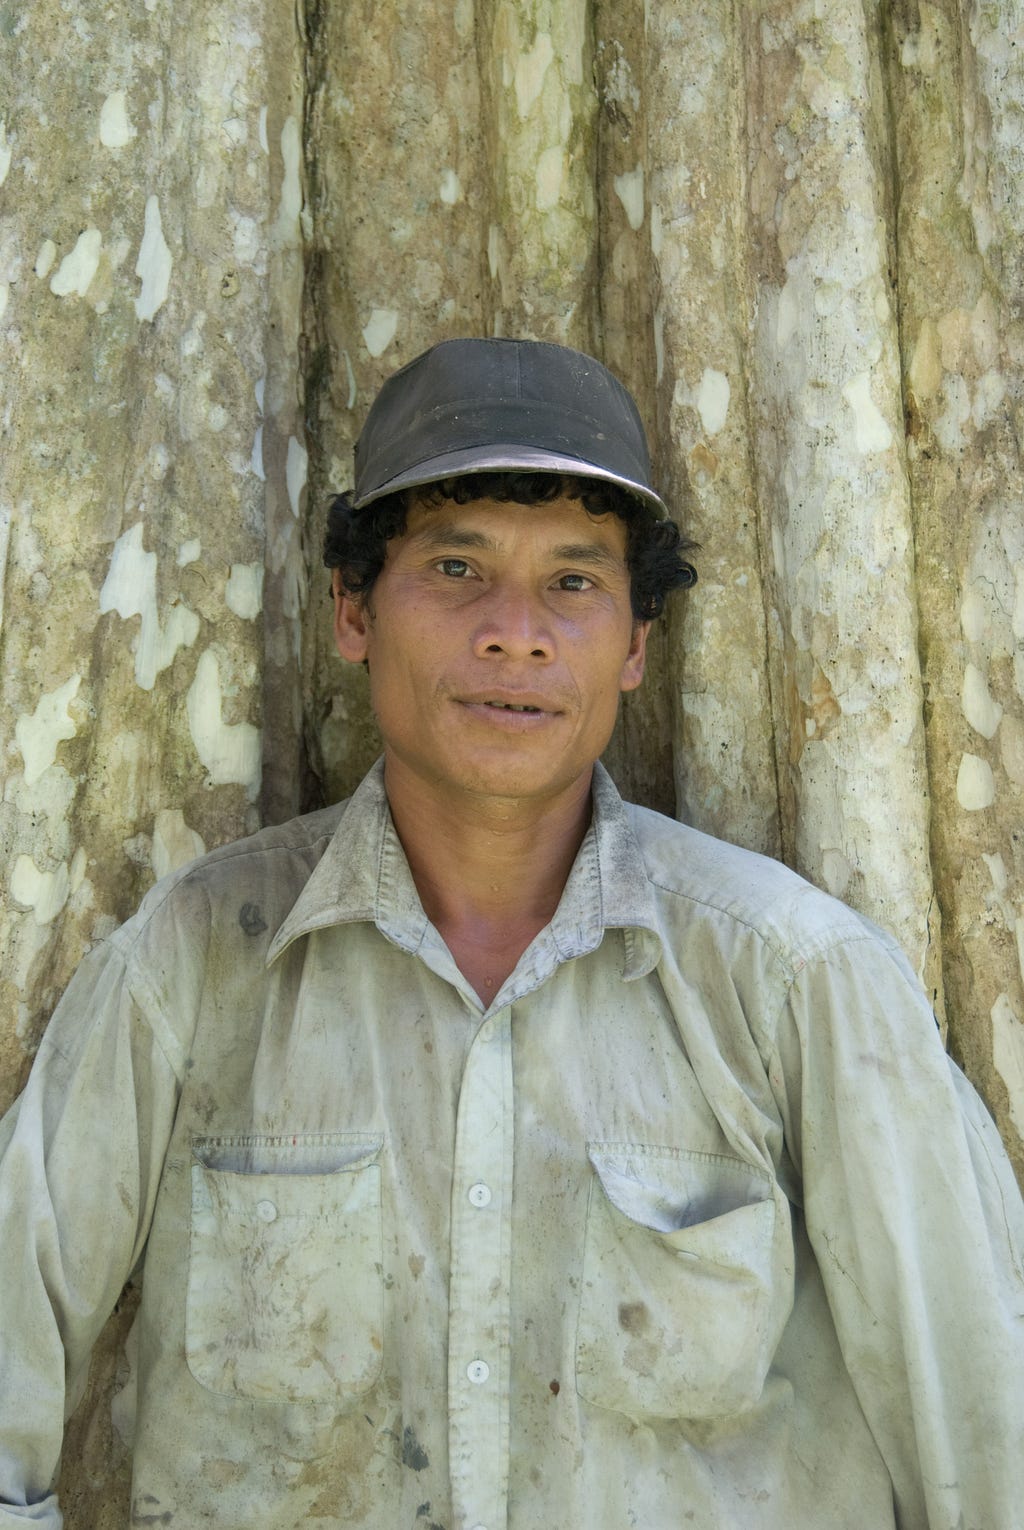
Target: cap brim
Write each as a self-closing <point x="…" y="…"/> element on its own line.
<point x="504" y="459"/>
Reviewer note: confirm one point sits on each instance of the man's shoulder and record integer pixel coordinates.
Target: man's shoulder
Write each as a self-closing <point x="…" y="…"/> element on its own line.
<point x="304" y="837"/>
<point x="711" y="879"/>
<point x="301" y="839"/>
<point x="262" y="874"/>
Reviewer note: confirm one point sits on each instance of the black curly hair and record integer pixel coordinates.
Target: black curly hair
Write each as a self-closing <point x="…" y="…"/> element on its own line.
<point x="356" y="540"/>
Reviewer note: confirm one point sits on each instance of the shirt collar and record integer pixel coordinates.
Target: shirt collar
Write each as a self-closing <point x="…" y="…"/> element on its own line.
<point x="364" y="876"/>
<point x="608" y="887"/>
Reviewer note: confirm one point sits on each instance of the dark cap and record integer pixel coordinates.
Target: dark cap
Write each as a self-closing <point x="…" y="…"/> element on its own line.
<point x="472" y="406"/>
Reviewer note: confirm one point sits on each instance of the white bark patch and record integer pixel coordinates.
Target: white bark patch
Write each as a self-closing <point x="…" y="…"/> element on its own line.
<point x="154" y="265"/>
<point x="115" y="128"/>
<point x="871" y="431"/>
<point x="296" y="469"/>
<point x="1008" y="1055"/>
<point x="983" y="714"/>
<point x="45" y="259"/>
<point x="975" y="784"/>
<point x="235" y="130"/>
<point x="76" y="271"/>
<point x="158" y="462"/>
<point x="1000" y="881"/>
<point x="494" y="250"/>
<point x="550" y="172"/>
<point x="287" y="231"/>
<point x="256" y="460"/>
<point x="5" y="153"/>
<point x="44" y="892"/>
<point x="48" y="801"/>
<point x="130" y="590"/>
<point x="973" y="615"/>
<point x="657" y="229"/>
<point x="620" y="86"/>
<point x="51" y="722"/>
<point x="713" y="400"/>
<point x="530" y="71"/>
<point x="189" y="552"/>
<point x="379" y="331"/>
<point x="244" y="590"/>
<point x="1003" y="900"/>
<point x="451" y="188"/>
<point x="629" y="188"/>
<point x="926" y="363"/>
<point x="174" y="843"/>
<point x="230" y="752"/>
<point x="246" y="239"/>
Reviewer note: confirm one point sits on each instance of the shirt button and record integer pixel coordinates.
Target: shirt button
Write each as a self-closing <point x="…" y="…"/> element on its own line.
<point x="266" y="1211"/>
<point x="478" y="1371"/>
<point x="480" y="1194"/>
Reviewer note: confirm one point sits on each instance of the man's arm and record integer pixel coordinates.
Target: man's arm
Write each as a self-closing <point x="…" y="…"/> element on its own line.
<point x="918" y="1228"/>
<point x="80" y="1159"/>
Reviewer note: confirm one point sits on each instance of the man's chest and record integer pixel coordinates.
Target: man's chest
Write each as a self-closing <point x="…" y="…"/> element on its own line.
<point x="385" y="1214"/>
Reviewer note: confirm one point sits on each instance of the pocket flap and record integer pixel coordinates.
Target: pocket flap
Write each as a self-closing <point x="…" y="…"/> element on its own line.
<point x="666" y="1188"/>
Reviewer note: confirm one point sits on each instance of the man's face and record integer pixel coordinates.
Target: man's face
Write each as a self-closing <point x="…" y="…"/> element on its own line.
<point x="480" y="611"/>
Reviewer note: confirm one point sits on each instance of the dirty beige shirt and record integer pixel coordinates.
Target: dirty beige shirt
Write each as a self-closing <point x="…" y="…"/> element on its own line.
<point x="695" y="1227"/>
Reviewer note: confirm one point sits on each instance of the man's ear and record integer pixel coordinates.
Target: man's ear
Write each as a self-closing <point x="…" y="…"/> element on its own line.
<point x="351" y="623"/>
<point x="633" y="669"/>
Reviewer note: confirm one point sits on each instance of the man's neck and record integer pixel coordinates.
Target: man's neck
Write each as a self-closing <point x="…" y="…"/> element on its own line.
<point x="489" y="871"/>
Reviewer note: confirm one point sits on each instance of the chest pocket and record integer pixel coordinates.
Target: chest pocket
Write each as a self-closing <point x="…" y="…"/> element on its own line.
<point x="687" y="1282"/>
<point x="285" y="1290"/>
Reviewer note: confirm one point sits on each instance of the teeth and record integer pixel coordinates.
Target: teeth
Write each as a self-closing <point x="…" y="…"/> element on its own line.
<point x="507" y="706"/>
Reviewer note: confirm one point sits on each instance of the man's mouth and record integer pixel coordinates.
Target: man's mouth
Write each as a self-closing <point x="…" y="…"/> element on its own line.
<point x="521" y="703"/>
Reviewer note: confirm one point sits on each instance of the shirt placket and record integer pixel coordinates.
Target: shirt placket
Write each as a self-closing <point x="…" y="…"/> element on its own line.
<point x="479" y="1318"/>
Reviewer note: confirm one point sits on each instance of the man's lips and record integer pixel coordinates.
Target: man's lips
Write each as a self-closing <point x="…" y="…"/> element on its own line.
<point x="521" y="703"/>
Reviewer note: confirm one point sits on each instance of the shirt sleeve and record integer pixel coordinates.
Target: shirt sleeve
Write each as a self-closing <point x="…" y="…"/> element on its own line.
<point x="81" y="1153"/>
<point x="917" y="1225"/>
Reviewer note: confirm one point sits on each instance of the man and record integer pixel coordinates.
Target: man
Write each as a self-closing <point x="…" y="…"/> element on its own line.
<point x="500" y="1154"/>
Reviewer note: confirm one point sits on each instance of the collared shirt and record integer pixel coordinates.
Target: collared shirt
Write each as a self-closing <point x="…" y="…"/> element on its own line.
<point x="695" y="1225"/>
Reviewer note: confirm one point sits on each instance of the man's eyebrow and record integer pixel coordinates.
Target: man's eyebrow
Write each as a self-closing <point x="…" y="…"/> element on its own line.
<point x="433" y="537"/>
<point x="588" y="552"/>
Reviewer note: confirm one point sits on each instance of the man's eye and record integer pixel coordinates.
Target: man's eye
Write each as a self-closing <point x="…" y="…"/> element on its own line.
<point x="454" y="568"/>
<point x="574" y="582"/>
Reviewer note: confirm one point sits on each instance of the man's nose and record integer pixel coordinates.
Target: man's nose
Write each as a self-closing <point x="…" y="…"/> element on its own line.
<point x="514" y="622"/>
